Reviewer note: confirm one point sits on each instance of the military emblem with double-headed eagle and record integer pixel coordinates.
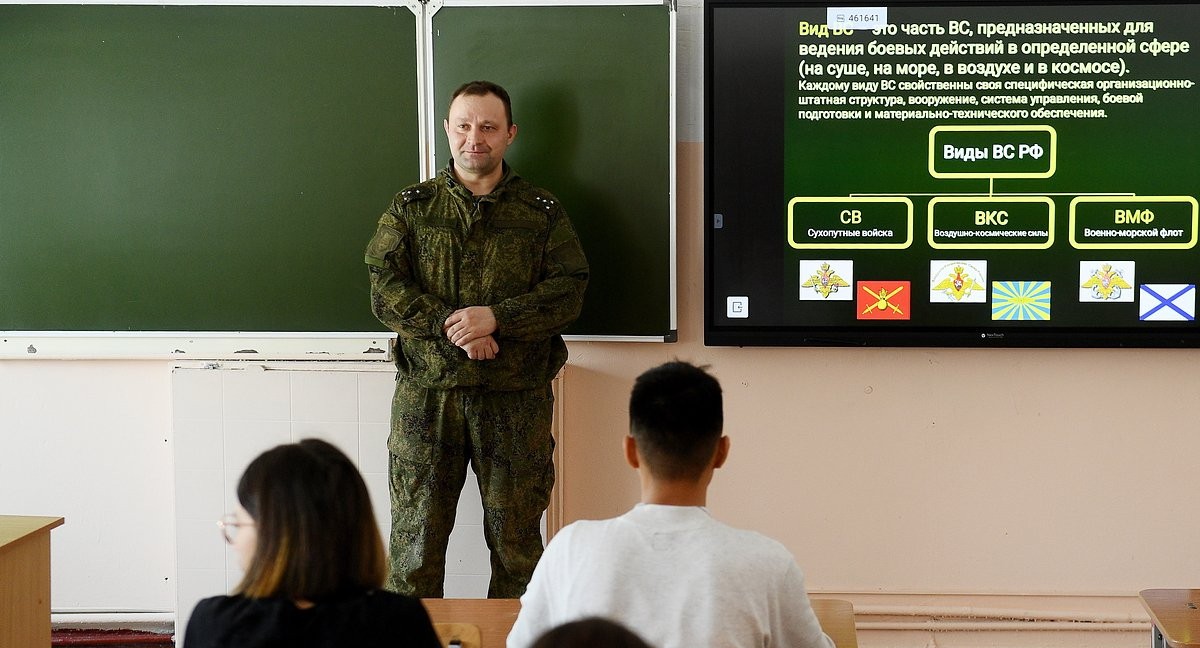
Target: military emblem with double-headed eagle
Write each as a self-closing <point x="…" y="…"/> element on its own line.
<point x="825" y="281"/>
<point x="1106" y="283"/>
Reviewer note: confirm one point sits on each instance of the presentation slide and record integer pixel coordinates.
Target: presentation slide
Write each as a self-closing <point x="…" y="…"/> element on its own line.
<point x="985" y="174"/>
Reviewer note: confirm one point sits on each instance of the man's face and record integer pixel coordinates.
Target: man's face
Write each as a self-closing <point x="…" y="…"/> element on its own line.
<point x="478" y="132"/>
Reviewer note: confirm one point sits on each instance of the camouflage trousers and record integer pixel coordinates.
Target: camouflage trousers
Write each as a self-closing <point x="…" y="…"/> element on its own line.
<point x="506" y="438"/>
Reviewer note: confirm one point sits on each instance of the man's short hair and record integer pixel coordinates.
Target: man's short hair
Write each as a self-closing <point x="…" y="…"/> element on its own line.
<point x="483" y="88"/>
<point x="676" y="417"/>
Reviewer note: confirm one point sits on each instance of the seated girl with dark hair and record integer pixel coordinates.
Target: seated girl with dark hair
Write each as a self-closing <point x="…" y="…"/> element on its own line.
<point x="313" y="559"/>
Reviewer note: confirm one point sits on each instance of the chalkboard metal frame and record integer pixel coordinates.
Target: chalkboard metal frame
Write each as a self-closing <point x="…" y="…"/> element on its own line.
<point x="195" y="345"/>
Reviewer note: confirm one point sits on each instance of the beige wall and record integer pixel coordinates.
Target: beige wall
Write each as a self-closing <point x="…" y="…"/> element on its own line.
<point x="922" y="471"/>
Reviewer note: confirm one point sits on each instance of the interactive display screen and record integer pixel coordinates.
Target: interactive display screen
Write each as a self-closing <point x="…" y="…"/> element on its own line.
<point x="933" y="174"/>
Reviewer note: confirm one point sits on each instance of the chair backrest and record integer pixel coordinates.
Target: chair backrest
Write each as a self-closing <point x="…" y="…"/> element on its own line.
<point x="493" y="618"/>
<point x="837" y="620"/>
<point x="458" y="635"/>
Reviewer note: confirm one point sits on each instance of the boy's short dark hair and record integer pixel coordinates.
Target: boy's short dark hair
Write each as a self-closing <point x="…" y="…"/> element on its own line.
<point x="676" y="417"/>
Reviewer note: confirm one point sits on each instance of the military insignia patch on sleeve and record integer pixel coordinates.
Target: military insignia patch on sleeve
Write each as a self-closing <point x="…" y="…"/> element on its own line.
<point x="385" y="241"/>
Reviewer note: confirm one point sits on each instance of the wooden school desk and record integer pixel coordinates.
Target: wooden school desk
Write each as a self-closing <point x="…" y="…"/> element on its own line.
<point x="495" y="617"/>
<point x="1175" y="615"/>
<point x="25" y="580"/>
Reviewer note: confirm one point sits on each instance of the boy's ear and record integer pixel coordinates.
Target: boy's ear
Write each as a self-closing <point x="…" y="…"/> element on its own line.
<point x="722" y="452"/>
<point x="631" y="454"/>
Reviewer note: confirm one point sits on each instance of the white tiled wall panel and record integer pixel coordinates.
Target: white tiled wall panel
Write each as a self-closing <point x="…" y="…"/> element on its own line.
<point x="224" y="417"/>
<point x="90" y="441"/>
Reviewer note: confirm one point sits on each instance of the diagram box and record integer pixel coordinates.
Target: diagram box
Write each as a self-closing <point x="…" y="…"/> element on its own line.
<point x="1133" y="222"/>
<point x="819" y="223"/>
<point x="992" y="151"/>
<point x="991" y="223"/>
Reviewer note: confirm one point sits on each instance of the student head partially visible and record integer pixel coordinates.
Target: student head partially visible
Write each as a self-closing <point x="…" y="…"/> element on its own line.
<point x="676" y="418"/>
<point x="592" y="632"/>
<point x="313" y="562"/>
<point x="306" y="530"/>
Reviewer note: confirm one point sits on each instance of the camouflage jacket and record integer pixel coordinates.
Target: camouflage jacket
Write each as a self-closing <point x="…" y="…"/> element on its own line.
<point x="438" y="249"/>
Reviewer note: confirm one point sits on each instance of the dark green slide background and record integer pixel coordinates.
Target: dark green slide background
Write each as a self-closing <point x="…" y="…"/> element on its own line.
<point x="199" y="168"/>
<point x="591" y="99"/>
<point x="1150" y="148"/>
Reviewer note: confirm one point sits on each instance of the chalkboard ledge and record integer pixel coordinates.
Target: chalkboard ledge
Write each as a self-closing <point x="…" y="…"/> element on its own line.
<point x="670" y="336"/>
<point x="185" y="345"/>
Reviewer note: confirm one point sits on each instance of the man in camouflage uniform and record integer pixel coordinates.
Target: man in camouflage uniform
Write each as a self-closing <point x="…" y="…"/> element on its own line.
<point x="478" y="271"/>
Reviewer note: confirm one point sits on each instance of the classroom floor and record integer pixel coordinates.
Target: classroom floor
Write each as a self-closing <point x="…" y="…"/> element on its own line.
<point x="109" y="638"/>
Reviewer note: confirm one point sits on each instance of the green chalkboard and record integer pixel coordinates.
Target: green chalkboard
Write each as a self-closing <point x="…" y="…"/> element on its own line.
<point x="591" y="91"/>
<point x="193" y="168"/>
<point x="189" y="168"/>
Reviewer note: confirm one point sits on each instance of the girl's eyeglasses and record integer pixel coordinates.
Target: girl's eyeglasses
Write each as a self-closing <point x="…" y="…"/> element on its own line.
<point x="230" y="526"/>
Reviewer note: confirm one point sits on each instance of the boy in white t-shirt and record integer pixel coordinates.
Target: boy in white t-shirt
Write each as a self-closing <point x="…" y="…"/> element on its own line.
<point x="667" y="569"/>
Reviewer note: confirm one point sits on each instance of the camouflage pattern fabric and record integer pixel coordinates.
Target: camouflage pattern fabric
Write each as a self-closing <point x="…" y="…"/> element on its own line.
<point x="437" y="249"/>
<point x="506" y="437"/>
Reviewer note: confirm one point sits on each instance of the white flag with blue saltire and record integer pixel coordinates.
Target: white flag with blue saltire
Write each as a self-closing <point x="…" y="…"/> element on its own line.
<point x="1167" y="302"/>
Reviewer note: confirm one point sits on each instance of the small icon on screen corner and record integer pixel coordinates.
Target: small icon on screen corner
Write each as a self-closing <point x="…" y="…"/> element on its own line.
<point x="737" y="307"/>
